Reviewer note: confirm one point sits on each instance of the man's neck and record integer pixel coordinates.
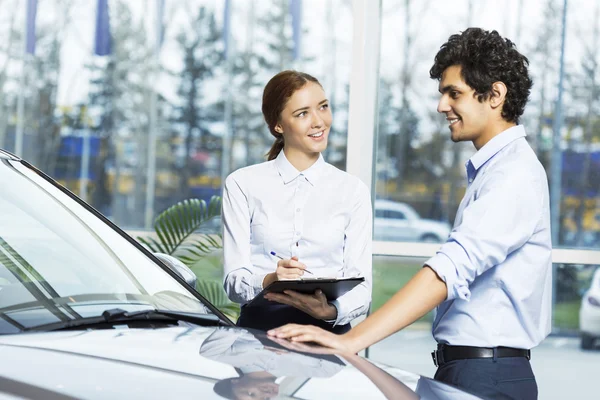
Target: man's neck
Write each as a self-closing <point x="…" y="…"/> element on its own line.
<point x="492" y="132"/>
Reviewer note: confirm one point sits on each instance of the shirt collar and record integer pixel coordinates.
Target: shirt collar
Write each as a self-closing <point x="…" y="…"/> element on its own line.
<point x="288" y="172"/>
<point x="497" y="143"/>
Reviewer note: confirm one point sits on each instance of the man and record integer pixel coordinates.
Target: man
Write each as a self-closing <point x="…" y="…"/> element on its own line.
<point x="491" y="280"/>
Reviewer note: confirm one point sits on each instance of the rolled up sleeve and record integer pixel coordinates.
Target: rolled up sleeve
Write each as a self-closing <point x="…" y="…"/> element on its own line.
<point x="358" y="259"/>
<point x="499" y="220"/>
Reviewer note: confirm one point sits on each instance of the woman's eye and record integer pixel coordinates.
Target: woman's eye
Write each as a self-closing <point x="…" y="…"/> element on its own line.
<point x="302" y="114"/>
<point x="325" y="106"/>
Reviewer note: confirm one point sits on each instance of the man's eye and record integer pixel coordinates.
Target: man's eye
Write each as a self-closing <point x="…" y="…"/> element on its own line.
<point x="454" y="94"/>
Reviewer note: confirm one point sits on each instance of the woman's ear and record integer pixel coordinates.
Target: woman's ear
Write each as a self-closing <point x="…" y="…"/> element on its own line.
<point x="498" y="94"/>
<point x="278" y="129"/>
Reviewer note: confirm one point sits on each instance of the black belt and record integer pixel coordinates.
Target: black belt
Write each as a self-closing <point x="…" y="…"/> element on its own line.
<point x="446" y="353"/>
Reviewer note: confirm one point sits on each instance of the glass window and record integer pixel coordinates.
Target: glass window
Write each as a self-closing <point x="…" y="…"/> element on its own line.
<point x="416" y="162"/>
<point x="86" y="113"/>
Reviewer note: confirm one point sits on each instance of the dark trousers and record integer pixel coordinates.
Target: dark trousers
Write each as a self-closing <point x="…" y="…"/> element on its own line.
<point x="502" y="378"/>
<point x="276" y="315"/>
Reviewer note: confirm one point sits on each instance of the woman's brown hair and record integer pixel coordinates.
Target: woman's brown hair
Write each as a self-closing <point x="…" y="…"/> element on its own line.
<point x="277" y="92"/>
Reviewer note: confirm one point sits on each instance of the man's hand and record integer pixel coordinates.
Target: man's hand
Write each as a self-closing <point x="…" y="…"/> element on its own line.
<point x="309" y="333"/>
<point x="315" y="305"/>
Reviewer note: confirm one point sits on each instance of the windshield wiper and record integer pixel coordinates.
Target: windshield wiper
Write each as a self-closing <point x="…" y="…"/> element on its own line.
<point x="118" y="316"/>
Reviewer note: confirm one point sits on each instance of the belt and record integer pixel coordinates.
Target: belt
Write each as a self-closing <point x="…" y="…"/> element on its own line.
<point x="446" y="353"/>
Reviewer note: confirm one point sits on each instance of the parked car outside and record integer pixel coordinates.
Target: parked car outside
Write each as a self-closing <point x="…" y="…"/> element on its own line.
<point x="86" y="312"/>
<point x="589" y="313"/>
<point x="399" y="222"/>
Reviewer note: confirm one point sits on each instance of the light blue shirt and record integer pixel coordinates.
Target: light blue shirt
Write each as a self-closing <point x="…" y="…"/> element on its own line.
<point x="322" y="215"/>
<point x="497" y="262"/>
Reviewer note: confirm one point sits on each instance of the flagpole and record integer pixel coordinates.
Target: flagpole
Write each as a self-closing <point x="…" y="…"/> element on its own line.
<point x="151" y="172"/>
<point x="556" y="156"/>
<point x="85" y="164"/>
<point x="227" y="136"/>
<point x="21" y="98"/>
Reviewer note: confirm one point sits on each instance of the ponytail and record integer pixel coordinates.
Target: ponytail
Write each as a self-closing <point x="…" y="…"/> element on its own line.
<point x="275" y="148"/>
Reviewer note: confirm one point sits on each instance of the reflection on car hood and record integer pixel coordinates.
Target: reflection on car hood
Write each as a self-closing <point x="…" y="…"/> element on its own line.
<point x="204" y="362"/>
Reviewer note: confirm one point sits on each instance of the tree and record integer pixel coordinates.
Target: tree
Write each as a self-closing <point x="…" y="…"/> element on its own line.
<point x="120" y="99"/>
<point x="8" y="49"/>
<point x="196" y="111"/>
<point x="590" y="70"/>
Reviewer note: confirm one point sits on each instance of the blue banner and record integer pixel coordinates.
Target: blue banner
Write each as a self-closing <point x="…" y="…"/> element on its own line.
<point x="102" y="37"/>
<point x="30" y="34"/>
<point x="296" y="11"/>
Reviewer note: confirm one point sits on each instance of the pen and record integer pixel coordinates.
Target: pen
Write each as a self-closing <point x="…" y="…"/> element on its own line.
<point x="281" y="258"/>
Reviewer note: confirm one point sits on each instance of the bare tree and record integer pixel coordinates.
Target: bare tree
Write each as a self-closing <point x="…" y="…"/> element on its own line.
<point x="590" y="67"/>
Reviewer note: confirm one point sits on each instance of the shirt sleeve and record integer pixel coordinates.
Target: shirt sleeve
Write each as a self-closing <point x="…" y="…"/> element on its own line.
<point x="220" y="342"/>
<point x="358" y="259"/>
<point x="240" y="282"/>
<point x="504" y="215"/>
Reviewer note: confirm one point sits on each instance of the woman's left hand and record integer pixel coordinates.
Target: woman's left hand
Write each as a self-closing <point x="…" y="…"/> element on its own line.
<point x="315" y="305"/>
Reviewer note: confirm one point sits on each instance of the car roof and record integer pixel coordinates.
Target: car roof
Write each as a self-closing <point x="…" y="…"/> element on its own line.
<point x="392" y="205"/>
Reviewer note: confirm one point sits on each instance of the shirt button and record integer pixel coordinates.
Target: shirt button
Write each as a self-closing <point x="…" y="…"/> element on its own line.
<point x="297" y="210"/>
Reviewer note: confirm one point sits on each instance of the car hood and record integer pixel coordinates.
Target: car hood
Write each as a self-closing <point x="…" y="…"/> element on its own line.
<point x="194" y="362"/>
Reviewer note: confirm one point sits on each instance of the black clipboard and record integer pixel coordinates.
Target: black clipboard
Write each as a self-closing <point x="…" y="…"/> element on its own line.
<point x="331" y="287"/>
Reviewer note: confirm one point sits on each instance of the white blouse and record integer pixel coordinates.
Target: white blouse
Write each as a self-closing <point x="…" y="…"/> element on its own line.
<point x="321" y="215"/>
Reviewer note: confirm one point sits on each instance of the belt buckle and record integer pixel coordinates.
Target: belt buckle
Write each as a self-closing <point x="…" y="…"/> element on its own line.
<point x="436" y="355"/>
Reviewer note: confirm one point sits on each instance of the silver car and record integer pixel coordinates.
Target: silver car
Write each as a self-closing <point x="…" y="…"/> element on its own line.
<point x="87" y="312"/>
<point x="399" y="222"/>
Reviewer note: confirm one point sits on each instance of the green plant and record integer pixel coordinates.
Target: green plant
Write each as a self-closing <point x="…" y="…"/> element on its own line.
<point x="176" y="234"/>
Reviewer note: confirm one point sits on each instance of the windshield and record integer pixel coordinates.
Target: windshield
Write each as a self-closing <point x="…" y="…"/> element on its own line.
<point x="59" y="262"/>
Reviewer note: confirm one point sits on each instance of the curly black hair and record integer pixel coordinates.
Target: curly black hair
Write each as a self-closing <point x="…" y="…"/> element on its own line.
<point x="485" y="57"/>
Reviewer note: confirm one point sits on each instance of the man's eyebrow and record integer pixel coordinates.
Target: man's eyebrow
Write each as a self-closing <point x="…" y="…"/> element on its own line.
<point x="447" y="88"/>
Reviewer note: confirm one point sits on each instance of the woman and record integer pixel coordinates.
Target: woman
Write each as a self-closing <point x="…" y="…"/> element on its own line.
<point x="314" y="216"/>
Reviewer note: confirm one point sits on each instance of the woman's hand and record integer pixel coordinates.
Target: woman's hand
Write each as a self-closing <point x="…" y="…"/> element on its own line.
<point x="309" y="333"/>
<point x="315" y="305"/>
<point x="287" y="269"/>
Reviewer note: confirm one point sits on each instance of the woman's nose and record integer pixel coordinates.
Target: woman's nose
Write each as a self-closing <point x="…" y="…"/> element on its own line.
<point x="317" y="121"/>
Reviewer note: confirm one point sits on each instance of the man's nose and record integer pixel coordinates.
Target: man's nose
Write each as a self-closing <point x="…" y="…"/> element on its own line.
<point x="443" y="106"/>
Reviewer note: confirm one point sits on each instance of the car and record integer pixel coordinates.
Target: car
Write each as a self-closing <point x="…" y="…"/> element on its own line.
<point x="87" y="312"/>
<point x="589" y="313"/>
<point x="399" y="222"/>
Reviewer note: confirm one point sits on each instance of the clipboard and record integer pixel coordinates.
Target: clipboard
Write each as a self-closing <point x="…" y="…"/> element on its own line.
<point x="332" y="288"/>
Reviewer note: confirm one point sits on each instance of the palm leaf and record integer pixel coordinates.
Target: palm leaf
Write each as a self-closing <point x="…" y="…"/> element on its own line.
<point x="175" y="231"/>
<point x="175" y="226"/>
<point x="213" y="292"/>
